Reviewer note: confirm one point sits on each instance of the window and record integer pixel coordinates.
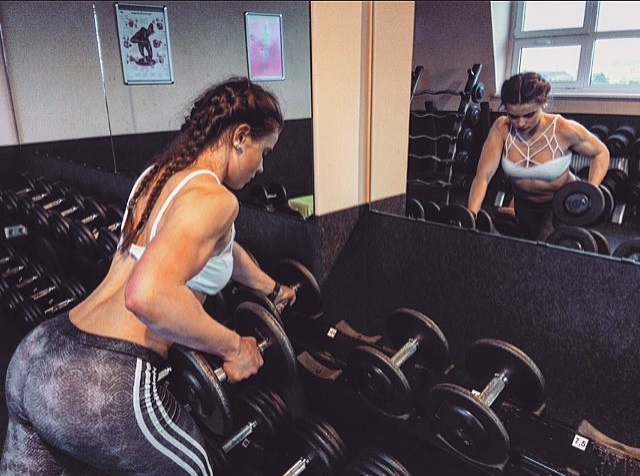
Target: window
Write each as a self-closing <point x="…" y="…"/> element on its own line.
<point x="590" y="48"/>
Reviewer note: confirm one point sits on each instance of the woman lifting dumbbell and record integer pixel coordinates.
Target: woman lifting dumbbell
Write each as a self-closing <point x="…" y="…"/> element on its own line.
<point x="82" y="387"/>
<point x="534" y="149"/>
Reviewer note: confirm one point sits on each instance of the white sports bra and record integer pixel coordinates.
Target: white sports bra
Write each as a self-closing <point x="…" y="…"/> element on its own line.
<point x="528" y="167"/>
<point x="216" y="273"/>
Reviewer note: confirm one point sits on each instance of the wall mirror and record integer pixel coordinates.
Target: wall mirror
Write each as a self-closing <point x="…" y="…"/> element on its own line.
<point x="66" y="82"/>
<point x="446" y="70"/>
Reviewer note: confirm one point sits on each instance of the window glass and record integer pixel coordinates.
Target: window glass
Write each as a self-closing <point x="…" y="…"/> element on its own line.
<point x="554" y="63"/>
<point x="553" y="15"/>
<point x="619" y="16"/>
<point x="616" y="62"/>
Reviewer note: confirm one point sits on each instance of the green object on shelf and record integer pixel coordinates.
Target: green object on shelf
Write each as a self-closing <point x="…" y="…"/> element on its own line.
<point x="303" y="204"/>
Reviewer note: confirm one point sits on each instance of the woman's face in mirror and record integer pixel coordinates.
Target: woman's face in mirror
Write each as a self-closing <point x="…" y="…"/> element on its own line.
<point x="524" y="118"/>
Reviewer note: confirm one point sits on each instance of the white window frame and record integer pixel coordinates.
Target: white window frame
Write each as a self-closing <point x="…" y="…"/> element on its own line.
<point x="585" y="37"/>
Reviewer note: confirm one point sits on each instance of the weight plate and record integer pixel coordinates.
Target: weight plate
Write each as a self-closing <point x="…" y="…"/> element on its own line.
<point x="251" y="319"/>
<point x="457" y="215"/>
<point x="264" y="406"/>
<point x="414" y="209"/>
<point x="278" y="196"/>
<point x="379" y="382"/>
<point x="579" y="204"/>
<point x="308" y="296"/>
<point x="526" y="384"/>
<point x="194" y="383"/>
<point x="312" y="438"/>
<point x="602" y="243"/>
<point x="609" y="204"/>
<point x="239" y="294"/>
<point x="431" y="210"/>
<point x="433" y="350"/>
<point x="573" y="237"/>
<point x="629" y="249"/>
<point x="467" y="425"/>
<point x="484" y="221"/>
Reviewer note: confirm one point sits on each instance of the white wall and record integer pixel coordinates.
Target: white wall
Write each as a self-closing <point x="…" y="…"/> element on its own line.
<point x="54" y="68"/>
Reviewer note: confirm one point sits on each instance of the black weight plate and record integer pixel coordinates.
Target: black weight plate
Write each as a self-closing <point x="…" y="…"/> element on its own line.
<point x="389" y="464"/>
<point x="484" y="221"/>
<point x="602" y="243"/>
<point x="579" y="204"/>
<point x="379" y="382"/>
<point x="431" y="210"/>
<point x="629" y="249"/>
<point x="240" y="294"/>
<point x="433" y="351"/>
<point x="264" y="406"/>
<point x="457" y="215"/>
<point x="526" y="385"/>
<point x="321" y="444"/>
<point x="259" y="194"/>
<point x="308" y="296"/>
<point x="193" y="381"/>
<point x="573" y="237"/>
<point x="279" y="369"/>
<point x="609" y="204"/>
<point x="277" y="194"/>
<point x="467" y="424"/>
<point x="414" y="209"/>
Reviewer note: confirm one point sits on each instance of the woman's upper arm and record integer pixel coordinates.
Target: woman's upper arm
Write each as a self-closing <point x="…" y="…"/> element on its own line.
<point x="491" y="151"/>
<point x="580" y="140"/>
<point x="185" y="239"/>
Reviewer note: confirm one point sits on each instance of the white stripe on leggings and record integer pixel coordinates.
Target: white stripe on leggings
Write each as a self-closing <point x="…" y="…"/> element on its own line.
<point x="145" y="430"/>
<point x="161" y="429"/>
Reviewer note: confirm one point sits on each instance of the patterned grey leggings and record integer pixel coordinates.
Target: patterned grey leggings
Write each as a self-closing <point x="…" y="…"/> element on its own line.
<point x="77" y="399"/>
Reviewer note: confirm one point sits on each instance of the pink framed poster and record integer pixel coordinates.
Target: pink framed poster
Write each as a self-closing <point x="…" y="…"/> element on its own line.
<point x="265" y="49"/>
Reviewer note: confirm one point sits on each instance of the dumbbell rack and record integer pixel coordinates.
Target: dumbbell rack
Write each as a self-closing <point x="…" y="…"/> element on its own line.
<point x="538" y="445"/>
<point x="433" y="171"/>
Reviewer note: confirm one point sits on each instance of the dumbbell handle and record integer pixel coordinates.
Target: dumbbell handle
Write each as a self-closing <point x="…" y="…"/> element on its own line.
<point x="298" y="467"/>
<point x="239" y="436"/>
<point x="406" y="351"/>
<point x="494" y="388"/>
<point x="219" y="372"/>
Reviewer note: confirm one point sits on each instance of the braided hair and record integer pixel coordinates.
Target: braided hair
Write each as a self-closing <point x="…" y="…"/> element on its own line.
<point x="213" y="116"/>
<point x="524" y="88"/>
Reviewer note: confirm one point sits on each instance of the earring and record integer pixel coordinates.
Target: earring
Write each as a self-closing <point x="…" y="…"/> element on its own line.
<point x="237" y="146"/>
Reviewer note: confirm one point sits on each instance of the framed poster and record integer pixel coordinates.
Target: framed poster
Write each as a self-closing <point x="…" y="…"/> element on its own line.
<point x="265" y="49"/>
<point x="143" y="34"/>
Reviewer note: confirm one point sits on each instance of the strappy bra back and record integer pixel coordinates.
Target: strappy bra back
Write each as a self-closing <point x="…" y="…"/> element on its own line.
<point x="216" y="273"/>
<point x="521" y="160"/>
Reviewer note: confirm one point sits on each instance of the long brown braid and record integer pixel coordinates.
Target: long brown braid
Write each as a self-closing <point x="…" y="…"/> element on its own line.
<point x="222" y="107"/>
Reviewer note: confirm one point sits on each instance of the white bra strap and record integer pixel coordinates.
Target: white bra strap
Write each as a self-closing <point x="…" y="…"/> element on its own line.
<point x="174" y="192"/>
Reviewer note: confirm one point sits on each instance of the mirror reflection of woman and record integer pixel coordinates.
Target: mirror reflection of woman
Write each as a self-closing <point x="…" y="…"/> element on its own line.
<point x="534" y="149"/>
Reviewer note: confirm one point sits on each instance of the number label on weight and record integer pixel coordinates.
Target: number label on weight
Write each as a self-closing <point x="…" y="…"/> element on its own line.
<point x="332" y="332"/>
<point x="580" y="442"/>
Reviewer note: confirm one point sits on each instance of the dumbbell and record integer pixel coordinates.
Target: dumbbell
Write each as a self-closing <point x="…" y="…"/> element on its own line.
<point x="264" y="416"/>
<point x="465" y="421"/>
<point x="379" y="379"/>
<point x="318" y="447"/>
<point x="464" y="138"/>
<point x="47" y="302"/>
<point x="601" y="131"/>
<point x="414" y="209"/>
<point x="484" y="222"/>
<point x="458" y="215"/>
<point x="272" y="198"/>
<point x="197" y="379"/>
<point x="65" y="202"/>
<point x="91" y="212"/>
<point x="579" y="204"/>
<point x="573" y="237"/>
<point x="619" y="142"/>
<point x="52" y="197"/>
<point x="93" y="243"/>
<point x="375" y="462"/>
<point x="629" y="249"/>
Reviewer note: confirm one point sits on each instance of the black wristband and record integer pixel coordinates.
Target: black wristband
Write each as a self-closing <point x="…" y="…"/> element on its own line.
<point x="274" y="294"/>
